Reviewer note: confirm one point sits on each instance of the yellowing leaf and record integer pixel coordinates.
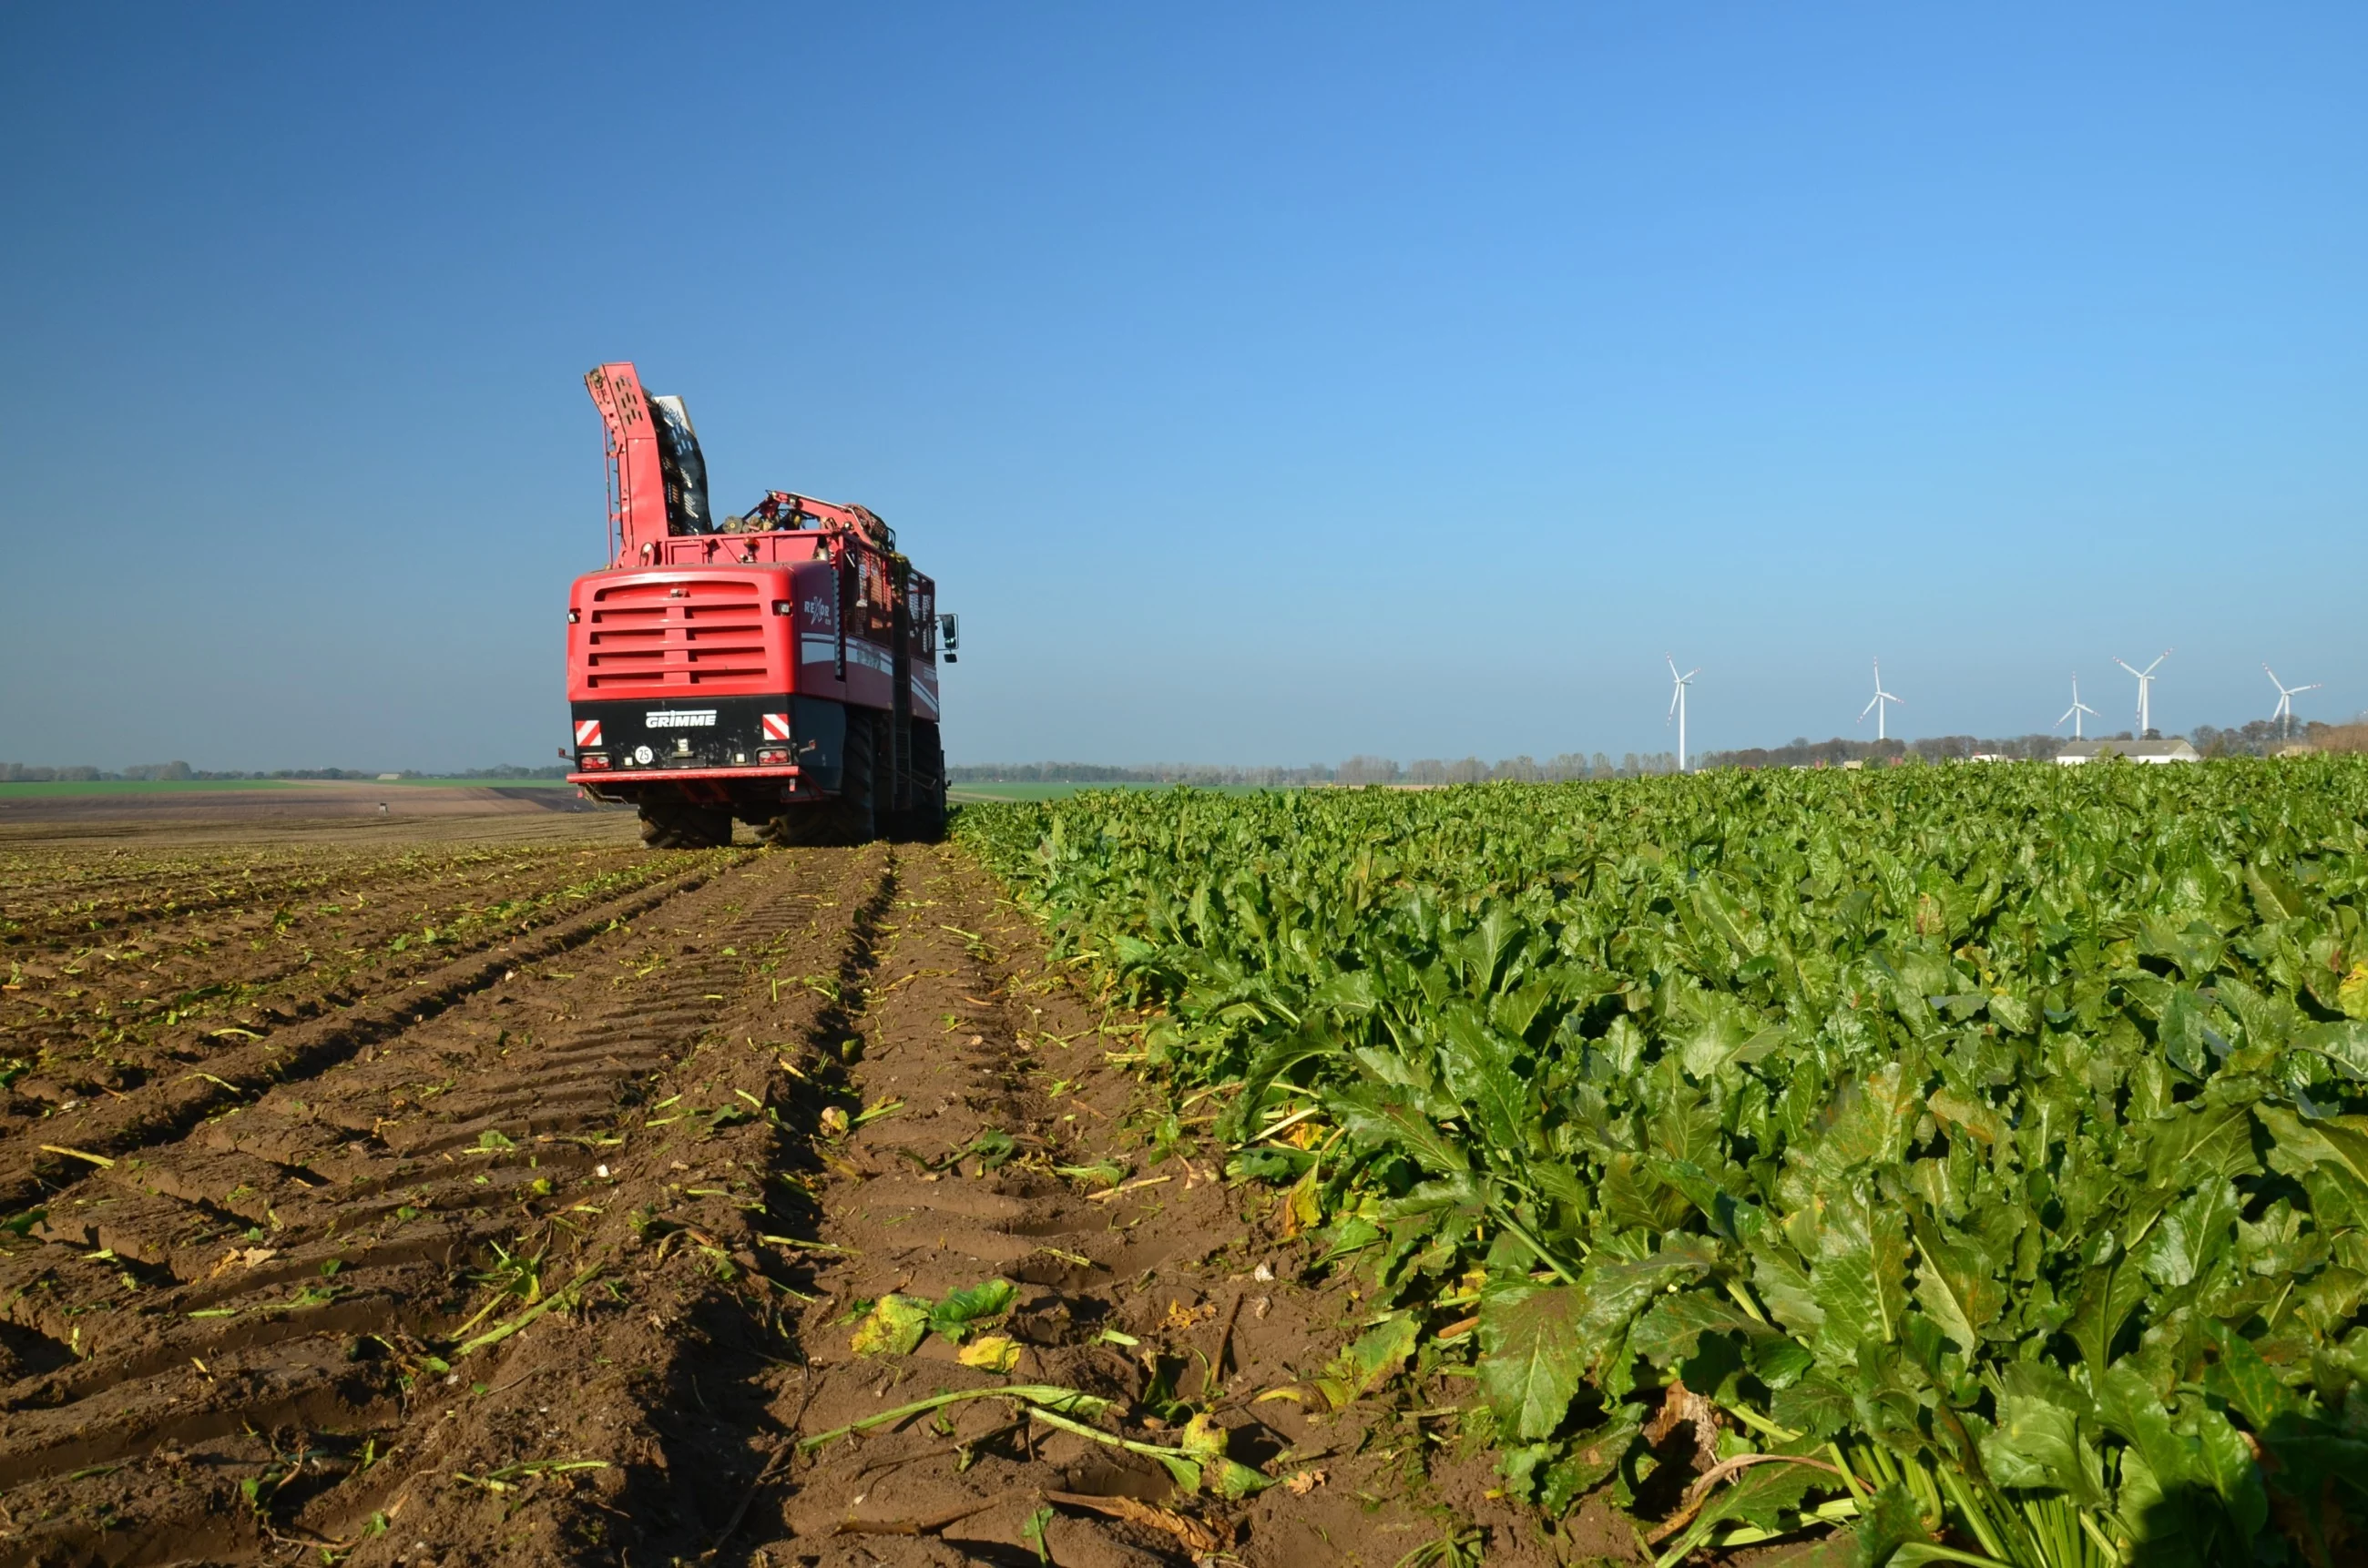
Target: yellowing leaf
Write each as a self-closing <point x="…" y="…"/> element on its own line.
<point x="2352" y="995"/>
<point x="893" y="1327"/>
<point x="1203" y="1438"/>
<point x="1300" y="1209"/>
<point x="990" y="1352"/>
<point x="1370" y="1360"/>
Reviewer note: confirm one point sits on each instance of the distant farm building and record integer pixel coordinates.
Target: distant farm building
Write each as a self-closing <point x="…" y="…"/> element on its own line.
<point x="2173" y="750"/>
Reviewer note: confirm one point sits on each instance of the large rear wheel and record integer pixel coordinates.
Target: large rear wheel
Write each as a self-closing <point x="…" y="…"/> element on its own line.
<point x="848" y="818"/>
<point x="925" y="821"/>
<point x="680" y="825"/>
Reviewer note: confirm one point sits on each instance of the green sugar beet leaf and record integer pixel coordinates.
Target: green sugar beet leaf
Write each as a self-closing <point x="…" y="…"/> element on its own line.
<point x="1591" y="1459"/>
<point x="2108" y="1294"/>
<point x="2244" y="1381"/>
<point x="1722" y="1028"/>
<point x="2274" y="894"/>
<point x="2038" y="1440"/>
<point x="1872" y="1121"/>
<point x="2345" y="1043"/>
<point x="1956" y="1283"/>
<point x="1859" y="1279"/>
<point x="1766" y="1496"/>
<point x="2190" y="1235"/>
<point x="962" y="1310"/>
<point x="1671" y="1329"/>
<point x="1379" y="1116"/>
<point x="1532" y="1356"/>
<point x="2337" y="1149"/>
<point x="1479" y="1065"/>
<point x="1538" y="1341"/>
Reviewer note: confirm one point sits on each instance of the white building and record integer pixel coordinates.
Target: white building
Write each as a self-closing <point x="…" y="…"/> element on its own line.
<point x="2173" y="750"/>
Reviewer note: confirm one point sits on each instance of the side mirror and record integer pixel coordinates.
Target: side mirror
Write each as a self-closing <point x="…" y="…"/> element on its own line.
<point x="950" y="636"/>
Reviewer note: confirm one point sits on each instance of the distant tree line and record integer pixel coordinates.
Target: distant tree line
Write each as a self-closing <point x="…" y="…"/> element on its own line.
<point x="174" y="772"/>
<point x="1356" y="770"/>
<point x="1203" y="775"/>
<point x="1560" y="769"/>
<point x="1804" y="751"/>
<point x="2264" y="737"/>
<point x="506" y="770"/>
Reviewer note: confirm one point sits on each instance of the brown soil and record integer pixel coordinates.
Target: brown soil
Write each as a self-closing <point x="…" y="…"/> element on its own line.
<point x="661" y="1146"/>
<point x="330" y="812"/>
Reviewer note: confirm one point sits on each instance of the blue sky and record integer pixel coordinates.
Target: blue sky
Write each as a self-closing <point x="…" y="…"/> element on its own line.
<point x="1260" y="383"/>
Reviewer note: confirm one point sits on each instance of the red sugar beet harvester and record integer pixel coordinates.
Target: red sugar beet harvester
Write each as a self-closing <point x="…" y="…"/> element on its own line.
<point x="778" y="668"/>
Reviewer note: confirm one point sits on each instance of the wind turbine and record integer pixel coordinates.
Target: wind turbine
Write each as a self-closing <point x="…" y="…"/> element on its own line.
<point x="1677" y="705"/>
<point x="1875" y="705"/>
<point x="2286" y="694"/>
<point x="2146" y="690"/>
<point x="2077" y="708"/>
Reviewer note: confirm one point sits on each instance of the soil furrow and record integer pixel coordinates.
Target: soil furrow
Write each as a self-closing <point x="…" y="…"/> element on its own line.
<point x="1002" y="1145"/>
<point x="295" y="1275"/>
<point x="163" y="1109"/>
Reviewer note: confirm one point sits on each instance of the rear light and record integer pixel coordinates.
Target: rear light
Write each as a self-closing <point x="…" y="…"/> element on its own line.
<point x="595" y="761"/>
<point x="773" y="757"/>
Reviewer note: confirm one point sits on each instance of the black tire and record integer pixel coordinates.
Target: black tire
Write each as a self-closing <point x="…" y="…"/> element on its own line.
<point x="847" y="818"/>
<point x="925" y="823"/>
<point x="806" y="827"/>
<point x="678" y="825"/>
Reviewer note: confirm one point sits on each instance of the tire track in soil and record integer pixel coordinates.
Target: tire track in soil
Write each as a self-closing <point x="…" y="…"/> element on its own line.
<point x="166" y="1107"/>
<point x="231" y="1342"/>
<point x="1166" y="1287"/>
<point x="103" y="1017"/>
<point x="948" y="1033"/>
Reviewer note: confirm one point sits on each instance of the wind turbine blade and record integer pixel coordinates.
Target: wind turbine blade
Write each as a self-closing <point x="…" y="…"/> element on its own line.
<point x="1691" y="673"/>
<point x="2126" y="664"/>
<point x="2274" y="676"/>
<point x="2068" y="713"/>
<point x="2312" y="687"/>
<point x="1868" y="709"/>
<point x="1673" y="705"/>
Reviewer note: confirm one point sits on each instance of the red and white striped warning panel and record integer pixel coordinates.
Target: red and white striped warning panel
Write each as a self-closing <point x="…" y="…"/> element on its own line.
<point x="776" y="726"/>
<point x="587" y="731"/>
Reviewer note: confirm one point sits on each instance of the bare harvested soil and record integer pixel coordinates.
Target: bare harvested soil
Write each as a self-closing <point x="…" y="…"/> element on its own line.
<point x="551" y="1239"/>
<point x="312" y="810"/>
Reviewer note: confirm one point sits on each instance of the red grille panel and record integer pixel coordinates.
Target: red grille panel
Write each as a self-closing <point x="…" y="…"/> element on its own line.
<point x="654" y="636"/>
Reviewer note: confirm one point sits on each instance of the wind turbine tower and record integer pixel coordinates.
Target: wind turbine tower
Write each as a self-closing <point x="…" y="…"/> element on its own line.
<point x="1877" y="705"/>
<point x="2075" y="711"/>
<point x="2286" y="694"/>
<point x="1677" y="705"/>
<point x="2146" y="690"/>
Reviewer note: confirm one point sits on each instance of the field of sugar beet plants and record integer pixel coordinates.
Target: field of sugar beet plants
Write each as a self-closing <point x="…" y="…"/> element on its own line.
<point x="1957" y="1164"/>
<point x="1960" y="1163"/>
